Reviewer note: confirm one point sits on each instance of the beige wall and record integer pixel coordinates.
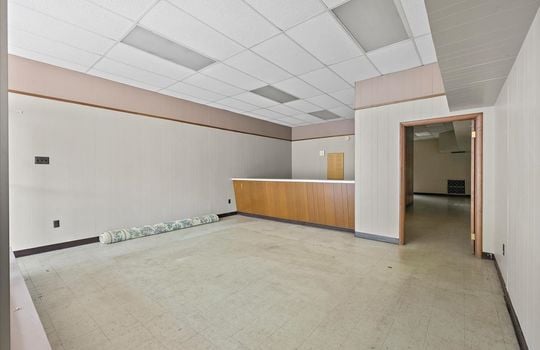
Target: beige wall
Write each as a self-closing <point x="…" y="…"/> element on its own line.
<point x="111" y="169"/>
<point x="433" y="169"/>
<point x="517" y="174"/>
<point x="377" y="169"/>
<point x="327" y="129"/>
<point x="308" y="164"/>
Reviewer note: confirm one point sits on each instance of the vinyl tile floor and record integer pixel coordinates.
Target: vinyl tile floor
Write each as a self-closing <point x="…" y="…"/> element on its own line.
<point x="245" y="283"/>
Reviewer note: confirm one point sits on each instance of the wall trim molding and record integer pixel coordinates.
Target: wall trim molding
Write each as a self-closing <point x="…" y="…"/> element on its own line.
<point x="378" y="238"/>
<point x="55" y="246"/>
<point x="442" y="194"/>
<point x="224" y="215"/>
<point x="295" y="222"/>
<point x="513" y="316"/>
<point x="322" y="137"/>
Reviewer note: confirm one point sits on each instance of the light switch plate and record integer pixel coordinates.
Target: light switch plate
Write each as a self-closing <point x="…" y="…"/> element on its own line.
<point x="321" y="153"/>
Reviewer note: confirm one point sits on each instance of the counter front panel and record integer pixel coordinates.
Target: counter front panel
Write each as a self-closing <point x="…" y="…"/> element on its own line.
<point x="328" y="203"/>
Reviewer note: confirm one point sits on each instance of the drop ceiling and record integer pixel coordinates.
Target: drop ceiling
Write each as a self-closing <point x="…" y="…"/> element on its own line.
<point x="477" y="42"/>
<point x="304" y="54"/>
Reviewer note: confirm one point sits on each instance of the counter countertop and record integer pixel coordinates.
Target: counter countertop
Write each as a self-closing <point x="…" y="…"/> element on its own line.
<point x="296" y="180"/>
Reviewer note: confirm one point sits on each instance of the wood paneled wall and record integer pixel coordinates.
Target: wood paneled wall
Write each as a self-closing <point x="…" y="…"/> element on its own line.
<point x="330" y="204"/>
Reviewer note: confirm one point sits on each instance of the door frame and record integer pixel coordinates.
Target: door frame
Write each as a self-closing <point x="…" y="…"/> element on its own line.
<point x="477" y="173"/>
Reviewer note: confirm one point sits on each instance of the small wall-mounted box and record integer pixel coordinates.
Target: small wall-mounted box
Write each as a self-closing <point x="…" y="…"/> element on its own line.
<point x="321" y="153"/>
<point x="41" y="160"/>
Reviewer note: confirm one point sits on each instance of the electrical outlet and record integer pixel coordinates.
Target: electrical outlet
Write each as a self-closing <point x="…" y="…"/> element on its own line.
<point x="56" y="223"/>
<point x="503" y="249"/>
<point x="41" y="160"/>
<point x="229" y="201"/>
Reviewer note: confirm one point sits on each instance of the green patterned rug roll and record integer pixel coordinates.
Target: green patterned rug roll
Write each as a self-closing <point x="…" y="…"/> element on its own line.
<point x="124" y="234"/>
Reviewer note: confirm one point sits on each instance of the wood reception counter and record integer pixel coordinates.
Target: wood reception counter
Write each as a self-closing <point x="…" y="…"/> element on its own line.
<point x="321" y="202"/>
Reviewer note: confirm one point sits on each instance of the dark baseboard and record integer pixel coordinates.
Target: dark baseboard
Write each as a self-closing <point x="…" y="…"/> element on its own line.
<point x="71" y="244"/>
<point x="378" y="238"/>
<point x="224" y="215"/>
<point x="294" y="222"/>
<point x="513" y="316"/>
<point x="56" y="246"/>
<point x="488" y="256"/>
<point x="442" y="194"/>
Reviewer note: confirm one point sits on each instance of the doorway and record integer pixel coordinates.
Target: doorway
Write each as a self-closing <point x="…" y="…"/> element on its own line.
<point x="335" y="167"/>
<point x="476" y="174"/>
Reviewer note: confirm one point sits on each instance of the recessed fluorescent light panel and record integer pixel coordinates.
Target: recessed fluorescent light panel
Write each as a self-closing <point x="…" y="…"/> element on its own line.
<point x="373" y="23"/>
<point x="154" y="44"/>
<point x="274" y="94"/>
<point x="326" y="115"/>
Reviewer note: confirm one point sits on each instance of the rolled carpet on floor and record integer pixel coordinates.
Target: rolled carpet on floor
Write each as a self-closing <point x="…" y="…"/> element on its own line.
<point x="124" y="234"/>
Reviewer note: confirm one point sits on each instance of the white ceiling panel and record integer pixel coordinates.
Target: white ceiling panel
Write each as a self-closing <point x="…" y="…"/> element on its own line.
<point x="123" y="80"/>
<point x="254" y="65"/>
<point x="40" y="24"/>
<point x="36" y="56"/>
<point x="324" y="101"/>
<point x="255" y="99"/>
<point x="426" y="48"/>
<point x="396" y="57"/>
<point x="130" y="72"/>
<point x="298" y="88"/>
<point x="308" y="118"/>
<point x="24" y="40"/>
<point x="238" y="105"/>
<point x="356" y="69"/>
<point x="83" y="14"/>
<point x="284" y="109"/>
<point x="185" y="97"/>
<point x="287" y="13"/>
<point x="290" y="121"/>
<point x="344" y="112"/>
<point x="326" y="39"/>
<point x="143" y="60"/>
<point x="232" y="18"/>
<point x="325" y="80"/>
<point x="195" y="92"/>
<point x="132" y="9"/>
<point x="233" y="76"/>
<point x="269" y="114"/>
<point x="345" y="96"/>
<point x="212" y="84"/>
<point x="334" y="3"/>
<point x="303" y="106"/>
<point x="287" y="54"/>
<point x="178" y="26"/>
<point x="415" y="11"/>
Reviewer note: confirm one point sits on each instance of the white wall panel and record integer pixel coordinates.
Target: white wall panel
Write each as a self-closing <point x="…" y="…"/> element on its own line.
<point x="517" y="174"/>
<point x="110" y="169"/>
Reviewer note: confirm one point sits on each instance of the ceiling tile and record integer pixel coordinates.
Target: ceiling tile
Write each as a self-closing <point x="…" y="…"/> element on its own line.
<point x="287" y="13"/>
<point x="36" y="56"/>
<point x="212" y="84"/>
<point x="287" y="54"/>
<point x="334" y="3"/>
<point x="344" y="112"/>
<point x="324" y="101"/>
<point x="415" y="11"/>
<point x="284" y="109"/>
<point x="326" y="80"/>
<point x="132" y="9"/>
<point x="345" y="96"/>
<point x="83" y="14"/>
<point x="238" y="105"/>
<point x="258" y="67"/>
<point x="232" y="76"/>
<point x="303" y="106"/>
<point x="395" y="57"/>
<point x="143" y="60"/>
<point x="356" y="69"/>
<point x="123" y="80"/>
<point x="308" y="118"/>
<point x="37" y="23"/>
<point x="178" y="26"/>
<point x="24" y="40"/>
<point x="374" y="23"/>
<point x="290" y="121"/>
<point x="298" y="88"/>
<point x="234" y="18"/>
<point x="326" y="39"/>
<point x="255" y="99"/>
<point x="269" y="114"/>
<point x="123" y="70"/>
<point x="426" y="48"/>
<point x="184" y="97"/>
<point x="195" y="92"/>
